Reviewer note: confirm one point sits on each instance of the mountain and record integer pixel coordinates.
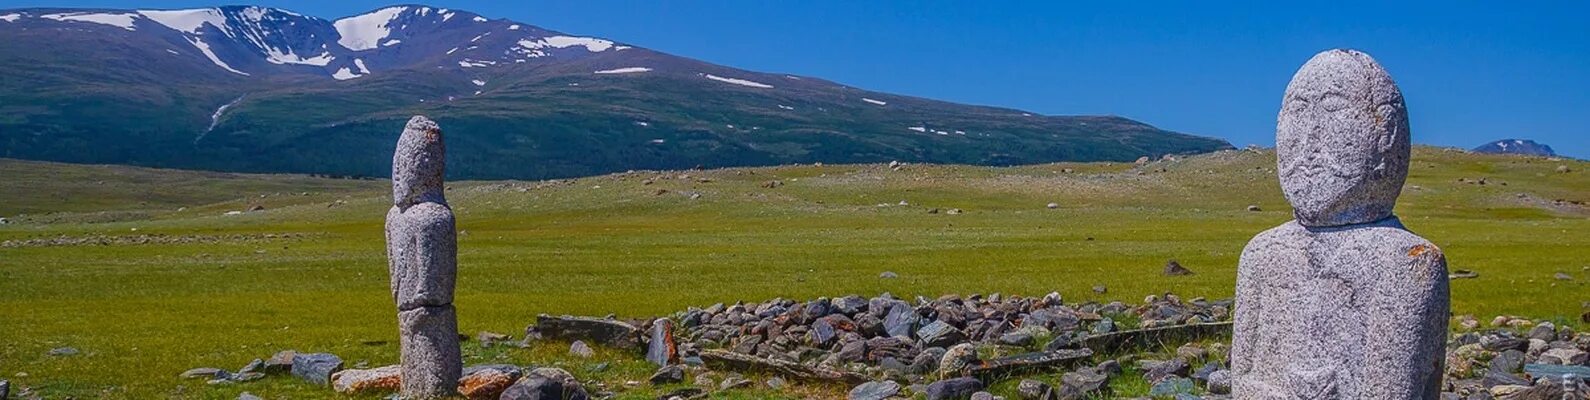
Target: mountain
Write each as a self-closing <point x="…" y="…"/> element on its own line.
<point x="1516" y="146"/>
<point x="257" y="89"/>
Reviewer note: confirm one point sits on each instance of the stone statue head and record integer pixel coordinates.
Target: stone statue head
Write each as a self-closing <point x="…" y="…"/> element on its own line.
<point x="1341" y="140"/>
<point x="418" y="163"/>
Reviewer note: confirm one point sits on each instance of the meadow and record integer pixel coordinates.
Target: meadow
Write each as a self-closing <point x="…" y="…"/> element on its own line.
<point x="144" y="272"/>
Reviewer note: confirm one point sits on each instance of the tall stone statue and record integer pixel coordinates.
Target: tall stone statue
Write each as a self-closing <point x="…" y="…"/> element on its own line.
<point x="422" y="252"/>
<point x="1343" y="302"/>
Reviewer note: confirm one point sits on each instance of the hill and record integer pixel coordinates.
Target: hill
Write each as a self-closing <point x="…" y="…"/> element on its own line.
<point x="1516" y="146"/>
<point x="255" y="89"/>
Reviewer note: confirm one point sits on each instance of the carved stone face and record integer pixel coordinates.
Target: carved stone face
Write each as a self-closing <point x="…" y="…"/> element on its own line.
<point x="1341" y="140"/>
<point x="418" y="164"/>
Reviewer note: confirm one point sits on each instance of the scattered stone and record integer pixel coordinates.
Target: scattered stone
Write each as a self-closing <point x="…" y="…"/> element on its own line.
<point x="1219" y="382"/>
<point x="1563" y="276"/>
<point x="957" y="359"/>
<point x="1100" y="289"/>
<point x="1171" y="386"/>
<point x="606" y="332"/>
<point x="940" y="334"/>
<point x="1557" y="372"/>
<point x="383" y="379"/>
<point x="1084" y="381"/>
<point x="954" y="388"/>
<point x="488" y="339"/>
<point x="1021" y="338"/>
<point x="1342" y="113"/>
<point x="281" y="363"/>
<point x="1507" y="361"/>
<point x="737" y="361"/>
<point x="684" y="394"/>
<point x="257" y="365"/>
<point x="242" y="396"/>
<point x="316" y="367"/>
<point x="1052" y="206"/>
<point x="668" y="374"/>
<point x="1462" y="274"/>
<point x="1174" y="268"/>
<point x="983" y="396"/>
<point x="204" y="372"/>
<point x="661" y="349"/>
<point x="1564" y="356"/>
<point x="540" y="387"/>
<point x="1030" y="389"/>
<point x="63" y="352"/>
<point x="487" y="382"/>
<point x="1253" y="208"/>
<point x="875" y="390"/>
<point x="888" y="275"/>
<point x="1028" y="362"/>
<point x="1176" y="367"/>
<point x="734" y="382"/>
<point x="776" y="383"/>
<point x="581" y="350"/>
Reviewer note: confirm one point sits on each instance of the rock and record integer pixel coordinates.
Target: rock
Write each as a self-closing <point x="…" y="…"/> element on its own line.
<point x="63" y="352"/>
<point x="1342" y="144"/>
<point x="1017" y="338"/>
<point x="1030" y="389"/>
<point x="600" y="331"/>
<point x="983" y="396"/>
<point x="242" y="396"/>
<point x="955" y="388"/>
<point x="1564" y="357"/>
<point x="661" y="350"/>
<point x="316" y="367"/>
<point x="281" y="363"/>
<point x="1086" y="380"/>
<point x="957" y="359"/>
<point x="383" y="379"/>
<point x="901" y="320"/>
<point x="1052" y="206"/>
<point x="776" y="383"/>
<point x="487" y="382"/>
<point x="1191" y="352"/>
<point x="1174" y="268"/>
<point x="581" y="350"/>
<point x="1219" y="382"/>
<point x="1170" y="387"/>
<point x="204" y="372"/>
<point x="1563" y="276"/>
<point x="1545" y="331"/>
<point x="1462" y="274"/>
<point x="1176" y="367"/>
<point x="1253" y="208"/>
<point x="888" y="275"/>
<point x="734" y="382"/>
<point x="668" y="374"/>
<point x="257" y="365"/>
<point x="940" y="334"/>
<point x="422" y="253"/>
<point x="538" y="387"/>
<point x="1507" y="361"/>
<point x="875" y="390"/>
<point x="1557" y="372"/>
<point x="488" y="339"/>
<point x="1100" y="289"/>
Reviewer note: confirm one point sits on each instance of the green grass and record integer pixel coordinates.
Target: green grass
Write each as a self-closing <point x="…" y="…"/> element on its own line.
<point x="141" y="314"/>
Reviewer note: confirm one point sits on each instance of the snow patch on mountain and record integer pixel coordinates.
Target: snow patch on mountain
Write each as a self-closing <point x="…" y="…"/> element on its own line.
<point x="15" y="17"/>
<point x="626" y="70"/>
<point x="878" y="102"/>
<point x="364" y="32"/>
<point x="205" y="48"/>
<point x="345" y="74"/>
<point x="740" y="82"/>
<point x="189" y="21"/>
<point x="277" y="57"/>
<point x="478" y="82"/>
<point x="591" y="44"/>
<point x="124" y="21"/>
<point x="359" y="62"/>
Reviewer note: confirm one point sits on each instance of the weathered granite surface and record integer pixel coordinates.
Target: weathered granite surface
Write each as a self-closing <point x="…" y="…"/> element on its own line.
<point x="422" y="251"/>
<point x="1344" y="302"/>
<point x="1342" y="140"/>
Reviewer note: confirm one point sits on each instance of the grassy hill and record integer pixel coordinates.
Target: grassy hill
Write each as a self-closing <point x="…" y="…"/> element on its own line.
<point x="101" y="258"/>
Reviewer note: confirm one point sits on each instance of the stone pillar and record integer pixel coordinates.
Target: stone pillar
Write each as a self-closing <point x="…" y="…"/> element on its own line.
<point x="422" y="255"/>
<point x="1343" y="302"/>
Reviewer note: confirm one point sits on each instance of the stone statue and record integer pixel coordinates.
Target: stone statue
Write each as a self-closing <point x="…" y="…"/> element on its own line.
<point x="422" y="251"/>
<point x="1343" y="302"/>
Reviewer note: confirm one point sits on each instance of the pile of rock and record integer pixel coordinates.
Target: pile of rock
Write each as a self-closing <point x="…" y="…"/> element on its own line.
<point x="1545" y="362"/>
<point x="891" y="338"/>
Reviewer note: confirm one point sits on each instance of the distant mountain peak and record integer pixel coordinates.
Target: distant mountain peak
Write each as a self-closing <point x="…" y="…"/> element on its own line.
<point x="1516" y="146"/>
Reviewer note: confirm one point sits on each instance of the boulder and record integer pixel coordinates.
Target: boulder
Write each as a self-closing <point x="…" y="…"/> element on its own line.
<point x="376" y="380"/>
<point x="661" y="349"/>
<point x="875" y="390"/>
<point x="600" y="331"/>
<point x="316" y="367"/>
<point x="486" y="382"/>
<point x="668" y="374"/>
<point x="954" y="388"/>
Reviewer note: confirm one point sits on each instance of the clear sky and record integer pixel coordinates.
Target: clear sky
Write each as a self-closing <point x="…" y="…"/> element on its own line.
<point x="1471" y="72"/>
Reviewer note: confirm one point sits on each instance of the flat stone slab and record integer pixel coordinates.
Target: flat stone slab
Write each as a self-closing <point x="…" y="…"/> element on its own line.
<point x="744" y="362"/>
<point x="1557" y="372"/>
<point x="1028" y="362"/>
<point x="1152" y="337"/>
<point x="606" y="332"/>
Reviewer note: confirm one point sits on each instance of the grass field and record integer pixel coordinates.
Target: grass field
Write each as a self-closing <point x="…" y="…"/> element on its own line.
<point x="206" y="289"/>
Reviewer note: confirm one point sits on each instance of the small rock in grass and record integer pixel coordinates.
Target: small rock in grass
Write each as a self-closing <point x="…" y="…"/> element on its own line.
<point x="888" y="275"/>
<point x="202" y="372"/>
<point x="1170" y="387"/>
<point x="1100" y="289"/>
<point x="316" y="368"/>
<point x="248" y="396"/>
<point x="1030" y="389"/>
<point x="776" y="383"/>
<point x="983" y="396"/>
<point x="1052" y="206"/>
<point x="64" y="351"/>
<point x="668" y="374"/>
<point x="956" y="388"/>
<point x="1174" y="268"/>
<point x="580" y="349"/>
<point x="1563" y="276"/>
<point x="376" y="380"/>
<point x="488" y="339"/>
<point x="1253" y="208"/>
<point x="281" y="363"/>
<point x="734" y="382"/>
<point x="875" y="390"/>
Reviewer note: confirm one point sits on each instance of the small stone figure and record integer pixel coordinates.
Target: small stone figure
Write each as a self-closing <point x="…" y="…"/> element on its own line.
<point x="1343" y="302"/>
<point x="422" y="250"/>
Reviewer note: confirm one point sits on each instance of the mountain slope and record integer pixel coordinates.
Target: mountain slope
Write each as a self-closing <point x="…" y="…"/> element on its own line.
<point x="267" y="90"/>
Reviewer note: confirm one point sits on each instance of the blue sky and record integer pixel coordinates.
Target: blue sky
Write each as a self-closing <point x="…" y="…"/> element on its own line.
<point x="1471" y="72"/>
